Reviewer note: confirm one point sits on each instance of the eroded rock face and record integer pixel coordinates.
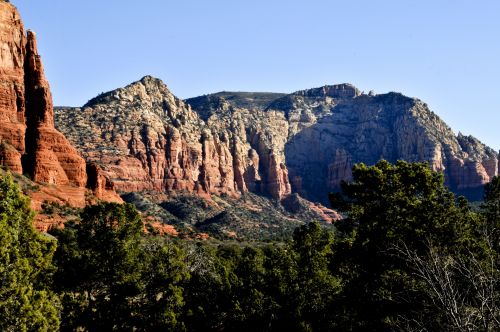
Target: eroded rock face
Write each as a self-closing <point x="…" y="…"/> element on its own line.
<point x="330" y="134"/>
<point x="29" y="142"/>
<point x="145" y="138"/>
<point x="100" y="184"/>
<point x="319" y="134"/>
<point x="12" y="101"/>
<point x="50" y="158"/>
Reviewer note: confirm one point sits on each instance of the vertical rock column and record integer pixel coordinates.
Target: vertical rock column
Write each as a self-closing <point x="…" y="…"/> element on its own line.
<point x="49" y="158"/>
<point x="12" y="51"/>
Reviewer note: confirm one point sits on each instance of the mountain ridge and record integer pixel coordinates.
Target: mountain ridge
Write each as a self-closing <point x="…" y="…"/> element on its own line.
<point x="298" y="140"/>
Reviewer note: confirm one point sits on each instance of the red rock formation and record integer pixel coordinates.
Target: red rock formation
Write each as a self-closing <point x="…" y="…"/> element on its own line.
<point x="328" y="215"/>
<point x="100" y="184"/>
<point x="50" y="157"/>
<point x="12" y="105"/>
<point x="278" y="184"/>
<point x="217" y="167"/>
<point x="183" y="163"/>
<point x="10" y="157"/>
<point x="29" y="142"/>
<point x="162" y="228"/>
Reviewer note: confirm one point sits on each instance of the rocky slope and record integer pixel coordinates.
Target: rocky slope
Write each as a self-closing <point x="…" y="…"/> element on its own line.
<point x="306" y="142"/>
<point x="329" y="129"/>
<point x="248" y="217"/>
<point x="248" y="100"/>
<point x="29" y="142"/>
<point x="145" y="138"/>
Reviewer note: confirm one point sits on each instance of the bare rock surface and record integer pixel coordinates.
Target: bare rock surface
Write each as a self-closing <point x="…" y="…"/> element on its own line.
<point x="145" y="138"/>
<point x="29" y="142"/>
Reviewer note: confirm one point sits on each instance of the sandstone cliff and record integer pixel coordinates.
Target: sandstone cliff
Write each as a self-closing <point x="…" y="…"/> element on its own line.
<point x="330" y="128"/>
<point x="145" y="138"/>
<point x="12" y="101"/>
<point x="29" y="142"/>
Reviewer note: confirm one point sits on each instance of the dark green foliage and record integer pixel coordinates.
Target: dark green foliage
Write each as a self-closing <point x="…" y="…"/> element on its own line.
<point x="163" y="273"/>
<point x="491" y="206"/>
<point x="112" y="278"/>
<point x="26" y="301"/>
<point x="313" y="287"/>
<point x="99" y="267"/>
<point x="281" y="287"/>
<point x="408" y="256"/>
<point x="389" y="207"/>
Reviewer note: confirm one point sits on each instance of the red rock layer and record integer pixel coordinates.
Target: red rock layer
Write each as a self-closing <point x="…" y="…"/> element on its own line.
<point x="12" y="104"/>
<point x="50" y="157"/>
<point x="101" y="185"/>
<point x="29" y="142"/>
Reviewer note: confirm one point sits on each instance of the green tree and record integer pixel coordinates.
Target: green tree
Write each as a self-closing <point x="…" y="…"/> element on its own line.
<point x="389" y="206"/>
<point x="164" y="273"/>
<point x="316" y="286"/>
<point x="99" y="268"/>
<point x="491" y="211"/>
<point x="298" y="285"/>
<point x="113" y="276"/>
<point x="26" y="301"/>
<point x="211" y="300"/>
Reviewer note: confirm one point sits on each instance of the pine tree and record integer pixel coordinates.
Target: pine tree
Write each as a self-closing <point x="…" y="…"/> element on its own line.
<point x="26" y="301"/>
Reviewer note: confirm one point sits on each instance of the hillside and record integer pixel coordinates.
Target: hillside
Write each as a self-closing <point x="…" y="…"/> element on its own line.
<point x="305" y="142"/>
<point x="249" y="100"/>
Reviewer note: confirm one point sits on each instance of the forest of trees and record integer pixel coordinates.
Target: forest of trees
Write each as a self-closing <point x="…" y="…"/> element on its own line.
<point x="409" y="256"/>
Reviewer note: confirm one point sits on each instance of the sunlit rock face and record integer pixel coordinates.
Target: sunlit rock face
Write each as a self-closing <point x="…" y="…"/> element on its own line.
<point x="144" y="138"/>
<point x="29" y="142"/>
<point x="12" y="96"/>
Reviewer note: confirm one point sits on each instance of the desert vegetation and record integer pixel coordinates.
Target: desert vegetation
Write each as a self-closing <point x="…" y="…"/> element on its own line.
<point x="408" y="255"/>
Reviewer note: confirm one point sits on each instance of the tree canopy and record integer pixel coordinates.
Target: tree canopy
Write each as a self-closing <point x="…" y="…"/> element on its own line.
<point x="27" y="302"/>
<point x="408" y="255"/>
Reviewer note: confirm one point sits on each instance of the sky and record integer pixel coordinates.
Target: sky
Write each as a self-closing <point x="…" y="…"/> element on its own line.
<point x="444" y="52"/>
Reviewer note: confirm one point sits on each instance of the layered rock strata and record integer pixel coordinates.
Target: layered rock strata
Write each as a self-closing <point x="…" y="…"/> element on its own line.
<point x="319" y="134"/>
<point x="29" y="142"/>
<point x="145" y="138"/>
<point x="12" y="97"/>
<point x="333" y="128"/>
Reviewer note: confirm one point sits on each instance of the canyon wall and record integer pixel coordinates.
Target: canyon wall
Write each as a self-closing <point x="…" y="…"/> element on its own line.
<point x="29" y="142"/>
<point x="146" y="139"/>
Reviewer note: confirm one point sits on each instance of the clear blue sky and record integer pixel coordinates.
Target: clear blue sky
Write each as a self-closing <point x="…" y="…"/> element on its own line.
<point x="445" y="52"/>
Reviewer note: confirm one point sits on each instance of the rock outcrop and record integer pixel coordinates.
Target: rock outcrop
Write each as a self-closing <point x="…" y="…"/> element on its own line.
<point x="12" y="102"/>
<point x="144" y="138"/>
<point x="49" y="158"/>
<point x="29" y="142"/>
<point x="333" y="128"/>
